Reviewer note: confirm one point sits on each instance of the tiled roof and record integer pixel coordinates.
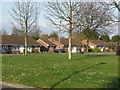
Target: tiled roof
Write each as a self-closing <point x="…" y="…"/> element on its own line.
<point x="48" y="42"/>
<point x="102" y="43"/>
<point x="65" y="41"/>
<point x="99" y="42"/>
<point x="112" y="43"/>
<point x="15" y="39"/>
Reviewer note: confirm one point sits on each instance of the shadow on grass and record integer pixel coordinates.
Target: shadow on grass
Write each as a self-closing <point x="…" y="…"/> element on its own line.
<point x="76" y="72"/>
<point x="90" y="56"/>
<point x="115" y="83"/>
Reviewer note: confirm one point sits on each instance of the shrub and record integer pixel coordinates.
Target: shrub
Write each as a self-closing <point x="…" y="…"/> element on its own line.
<point x="33" y="52"/>
<point x="90" y="50"/>
<point x="97" y="50"/>
<point x="3" y="52"/>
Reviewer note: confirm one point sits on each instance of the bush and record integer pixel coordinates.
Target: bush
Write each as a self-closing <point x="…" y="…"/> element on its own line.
<point x="97" y="50"/>
<point x="3" y="52"/>
<point x="33" y="52"/>
<point x="90" y="50"/>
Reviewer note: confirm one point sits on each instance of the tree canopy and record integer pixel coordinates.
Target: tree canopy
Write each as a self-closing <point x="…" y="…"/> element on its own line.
<point x="54" y="34"/>
<point x="116" y="38"/>
<point x="44" y="36"/>
<point x="105" y="38"/>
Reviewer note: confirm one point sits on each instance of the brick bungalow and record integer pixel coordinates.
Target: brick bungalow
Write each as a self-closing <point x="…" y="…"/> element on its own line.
<point x="15" y="43"/>
<point x="112" y="45"/>
<point x="64" y="43"/>
<point x="46" y="45"/>
<point x="102" y="45"/>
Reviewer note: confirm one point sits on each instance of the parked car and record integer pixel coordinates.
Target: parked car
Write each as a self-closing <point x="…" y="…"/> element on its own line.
<point x="5" y="51"/>
<point x="59" y="51"/>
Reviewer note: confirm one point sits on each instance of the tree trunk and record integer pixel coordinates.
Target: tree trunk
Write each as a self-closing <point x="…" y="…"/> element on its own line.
<point x="26" y="31"/>
<point x="25" y="52"/>
<point x="118" y="50"/>
<point x="70" y="42"/>
<point x="70" y="35"/>
<point x="87" y="47"/>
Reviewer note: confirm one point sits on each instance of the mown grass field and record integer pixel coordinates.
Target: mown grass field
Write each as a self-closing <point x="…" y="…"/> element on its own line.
<point x="54" y="70"/>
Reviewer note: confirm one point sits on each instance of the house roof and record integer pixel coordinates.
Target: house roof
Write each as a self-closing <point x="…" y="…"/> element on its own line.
<point x="65" y="41"/>
<point x="47" y="42"/>
<point x="99" y="42"/>
<point x="15" y="39"/>
<point x="112" y="43"/>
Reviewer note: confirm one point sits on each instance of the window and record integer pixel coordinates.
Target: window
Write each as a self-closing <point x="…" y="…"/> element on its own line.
<point x="15" y="48"/>
<point x="51" y="48"/>
<point x="18" y="47"/>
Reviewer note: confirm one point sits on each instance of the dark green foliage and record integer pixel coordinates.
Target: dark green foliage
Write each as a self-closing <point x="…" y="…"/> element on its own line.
<point x="44" y="36"/>
<point x="105" y="38"/>
<point x="3" y="52"/>
<point x="116" y="38"/>
<point x="97" y="50"/>
<point x="90" y="50"/>
<point x="54" y="34"/>
<point x="36" y="37"/>
<point x="90" y="34"/>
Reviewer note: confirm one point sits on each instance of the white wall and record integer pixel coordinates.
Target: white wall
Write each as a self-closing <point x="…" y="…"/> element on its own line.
<point x="21" y="48"/>
<point x="92" y="47"/>
<point x="74" y="49"/>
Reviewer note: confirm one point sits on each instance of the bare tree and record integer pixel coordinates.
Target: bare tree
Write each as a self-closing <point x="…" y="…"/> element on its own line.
<point x="25" y="15"/>
<point x="94" y="16"/>
<point x="60" y="14"/>
<point x="16" y="31"/>
<point x="116" y="5"/>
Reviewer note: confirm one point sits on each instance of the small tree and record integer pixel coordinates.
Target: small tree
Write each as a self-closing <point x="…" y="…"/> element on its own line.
<point x="105" y="38"/>
<point x="35" y="34"/>
<point x="54" y="34"/>
<point x="79" y="36"/>
<point x="62" y="15"/>
<point x="16" y="31"/>
<point x="44" y="36"/>
<point x="25" y="16"/>
<point x="94" y="17"/>
<point x="116" y="38"/>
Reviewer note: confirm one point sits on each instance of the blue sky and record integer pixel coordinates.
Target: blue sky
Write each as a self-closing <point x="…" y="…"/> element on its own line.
<point x="6" y="20"/>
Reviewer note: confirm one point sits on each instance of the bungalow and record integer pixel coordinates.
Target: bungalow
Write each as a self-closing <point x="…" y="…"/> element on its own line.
<point x="63" y="43"/>
<point x="102" y="45"/>
<point x="112" y="45"/>
<point x="46" y="45"/>
<point x="15" y="43"/>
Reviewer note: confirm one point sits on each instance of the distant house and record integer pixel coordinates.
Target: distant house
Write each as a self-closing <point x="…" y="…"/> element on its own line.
<point x="112" y="45"/>
<point x="46" y="45"/>
<point x="15" y="43"/>
<point x="52" y="44"/>
<point x="63" y="43"/>
<point x="96" y="44"/>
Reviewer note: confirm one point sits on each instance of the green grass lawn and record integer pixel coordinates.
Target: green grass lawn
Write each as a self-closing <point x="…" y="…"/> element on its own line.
<point x="55" y="70"/>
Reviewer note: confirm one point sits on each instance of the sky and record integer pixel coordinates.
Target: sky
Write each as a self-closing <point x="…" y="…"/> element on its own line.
<point x="6" y="20"/>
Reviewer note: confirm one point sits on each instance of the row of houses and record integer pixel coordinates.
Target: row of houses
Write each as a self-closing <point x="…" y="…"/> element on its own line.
<point x="52" y="44"/>
<point x="16" y="44"/>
